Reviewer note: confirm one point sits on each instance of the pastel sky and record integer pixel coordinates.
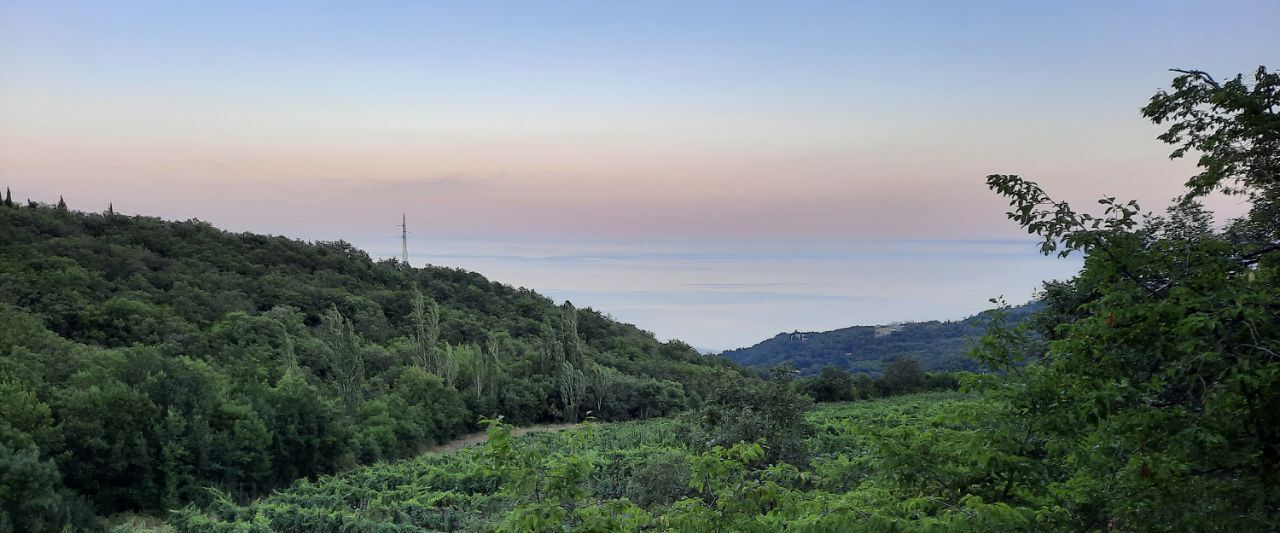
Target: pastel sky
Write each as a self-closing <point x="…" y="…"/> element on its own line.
<point x="655" y="131"/>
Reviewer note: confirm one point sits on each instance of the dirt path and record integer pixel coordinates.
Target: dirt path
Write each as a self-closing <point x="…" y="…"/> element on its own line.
<point x="472" y="439"/>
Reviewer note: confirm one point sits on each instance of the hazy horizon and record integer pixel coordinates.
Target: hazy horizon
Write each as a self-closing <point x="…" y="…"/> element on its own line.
<point x="719" y="295"/>
<point x="752" y="139"/>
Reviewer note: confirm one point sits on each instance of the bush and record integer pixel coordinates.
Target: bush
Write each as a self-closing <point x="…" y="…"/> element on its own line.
<point x="832" y="384"/>
<point x="661" y="480"/>
<point x="740" y="410"/>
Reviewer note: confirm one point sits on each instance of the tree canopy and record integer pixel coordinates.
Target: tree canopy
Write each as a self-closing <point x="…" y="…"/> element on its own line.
<point x="143" y="360"/>
<point x="1155" y="401"/>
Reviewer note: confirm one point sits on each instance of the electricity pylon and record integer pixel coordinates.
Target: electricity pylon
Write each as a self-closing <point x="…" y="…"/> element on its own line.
<point x="404" y="240"/>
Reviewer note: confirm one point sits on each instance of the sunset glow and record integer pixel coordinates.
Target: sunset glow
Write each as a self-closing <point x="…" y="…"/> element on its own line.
<point x="627" y="124"/>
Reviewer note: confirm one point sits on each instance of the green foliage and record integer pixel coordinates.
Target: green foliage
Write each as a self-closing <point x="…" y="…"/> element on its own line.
<point x="832" y="384"/>
<point x="143" y="362"/>
<point x="1233" y="125"/>
<point x="742" y="411"/>
<point x="902" y="464"/>
<point x="937" y="346"/>
<point x="30" y="486"/>
<point x="1155" y="403"/>
<point x="660" y="480"/>
<point x="901" y="376"/>
<point x="529" y="483"/>
<point x="1144" y="397"/>
<point x="550" y="491"/>
<point x="931" y="462"/>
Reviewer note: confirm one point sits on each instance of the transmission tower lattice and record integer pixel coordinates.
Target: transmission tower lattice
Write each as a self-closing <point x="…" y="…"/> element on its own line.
<point x="404" y="240"/>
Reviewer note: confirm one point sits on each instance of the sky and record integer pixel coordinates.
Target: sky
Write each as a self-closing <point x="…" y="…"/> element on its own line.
<point x="712" y="171"/>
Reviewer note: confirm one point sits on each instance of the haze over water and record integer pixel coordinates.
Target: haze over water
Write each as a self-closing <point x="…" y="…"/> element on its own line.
<point x="719" y="295"/>
<point x="712" y="171"/>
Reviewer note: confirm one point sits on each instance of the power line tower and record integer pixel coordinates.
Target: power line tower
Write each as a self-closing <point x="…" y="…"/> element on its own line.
<point x="404" y="240"/>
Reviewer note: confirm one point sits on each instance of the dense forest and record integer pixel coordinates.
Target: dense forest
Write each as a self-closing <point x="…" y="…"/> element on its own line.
<point x="156" y="366"/>
<point x="1143" y="396"/>
<point x="937" y="346"/>
<point x="142" y="361"/>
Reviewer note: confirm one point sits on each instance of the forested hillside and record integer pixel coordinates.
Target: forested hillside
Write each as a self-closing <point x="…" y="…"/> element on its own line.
<point x="1144" y="396"/>
<point x="937" y="346"/>
<point x="154" y="366"/>
<point x="142" y="361"/>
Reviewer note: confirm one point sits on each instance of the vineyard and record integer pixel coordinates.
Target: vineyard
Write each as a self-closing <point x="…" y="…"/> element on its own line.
<point x="176" y="377"/>
<point x="885" y="464"/>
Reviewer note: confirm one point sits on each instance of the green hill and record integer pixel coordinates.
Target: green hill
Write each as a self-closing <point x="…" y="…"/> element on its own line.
<point x="142" y="360"/>
<point x="938" y="346"/>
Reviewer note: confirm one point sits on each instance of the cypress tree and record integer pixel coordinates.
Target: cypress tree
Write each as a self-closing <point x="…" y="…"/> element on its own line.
<point x="8" y="197"/>
<point x="62" y="205"/>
